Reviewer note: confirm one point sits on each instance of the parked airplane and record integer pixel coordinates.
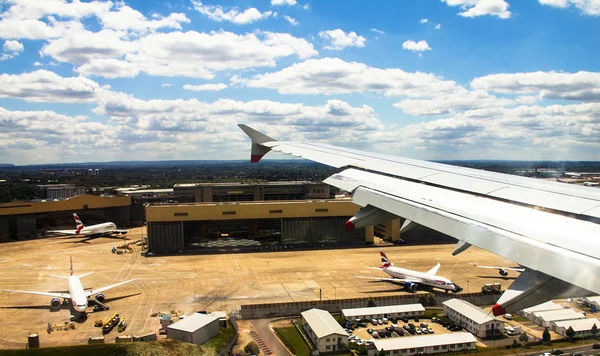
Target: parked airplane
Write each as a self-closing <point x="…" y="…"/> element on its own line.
<point x="412" y="279"/>
<point x="103" y="229"/>
<point x="502" y="270"/>
<point x="77" y="294"/>
<point x="548" y="227"/>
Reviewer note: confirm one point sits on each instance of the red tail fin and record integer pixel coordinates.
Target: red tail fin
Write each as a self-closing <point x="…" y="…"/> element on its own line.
<point x="385" y="262"/>
<point x="78" y="224"/>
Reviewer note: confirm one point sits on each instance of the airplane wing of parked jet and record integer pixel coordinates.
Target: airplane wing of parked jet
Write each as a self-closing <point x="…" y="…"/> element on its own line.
<point x="501" y="268"/>
<point x="549" y="227"/>
<point x="49" y="294"/>
<point x="100" y="290"/>
<point x="412" y="280"/>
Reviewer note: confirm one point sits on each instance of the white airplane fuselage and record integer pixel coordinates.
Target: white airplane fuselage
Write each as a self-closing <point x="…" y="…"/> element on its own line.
<point x="426" y="279"/>
<point x="77" y="294"/>
<point x="98" y="229"/>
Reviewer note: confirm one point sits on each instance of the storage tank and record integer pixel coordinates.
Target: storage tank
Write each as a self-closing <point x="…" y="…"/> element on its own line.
<point x="33" y="341"/>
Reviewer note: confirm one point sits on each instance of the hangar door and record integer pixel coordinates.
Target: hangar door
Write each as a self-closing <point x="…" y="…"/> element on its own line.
<point x="165" y="237"/>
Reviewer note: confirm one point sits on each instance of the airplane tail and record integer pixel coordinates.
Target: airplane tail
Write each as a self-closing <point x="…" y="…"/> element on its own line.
<point x="78" y="224"/>
<point x="71" y="271"/>
<point x="385" y="262"/>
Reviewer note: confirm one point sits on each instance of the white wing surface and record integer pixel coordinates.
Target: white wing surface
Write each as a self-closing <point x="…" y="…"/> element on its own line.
<point x="504" y="268"/>
<point x="537" y="224"/>
<point x="49" y="294"/>
<point x="100" y="290"/>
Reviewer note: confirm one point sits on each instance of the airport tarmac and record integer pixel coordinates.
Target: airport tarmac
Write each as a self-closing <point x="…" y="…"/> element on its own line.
<point x="201" y="282"/>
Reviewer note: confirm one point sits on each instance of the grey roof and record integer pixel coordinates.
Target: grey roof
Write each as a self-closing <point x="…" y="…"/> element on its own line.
<point x="193" y="322"/>
<point x="469" y="310"/>
<point x="398" y="343"/>
<point x="322" y="323"/>
<point x="383" y="310"/>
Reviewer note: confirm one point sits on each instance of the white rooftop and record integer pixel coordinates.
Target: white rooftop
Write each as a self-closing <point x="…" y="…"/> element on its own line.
<point x="469" y="310"/>
<point x="193" y="322"/>
<point x="547" y="313"/>
<point x="578" y="325"/>
<point x="322" y="323"/>
<point x="398" y="343"/>
<point x="383" y="310"/>
<point x="550" y="305"/>
<point x="564" y="316"/>
<point x="595" y="298"/>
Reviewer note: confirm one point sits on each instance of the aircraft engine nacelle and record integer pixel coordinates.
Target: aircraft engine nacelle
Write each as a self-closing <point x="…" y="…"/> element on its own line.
<point x="55" y="303"/>
<point x="410" y="286"/>
<point x="503" y="272"/>
<point x="100" y="297"/>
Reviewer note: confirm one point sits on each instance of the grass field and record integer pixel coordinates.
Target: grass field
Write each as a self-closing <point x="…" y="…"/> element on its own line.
<point x="219" y="342"/>
<point x="292" y="339"/>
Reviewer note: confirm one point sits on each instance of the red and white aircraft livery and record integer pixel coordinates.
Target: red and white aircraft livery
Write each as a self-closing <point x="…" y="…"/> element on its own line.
<point x="549" y="228"/>
<point x="412" y="279"/>
<point x="77" y="294"/>
<point x="103" y="229"/>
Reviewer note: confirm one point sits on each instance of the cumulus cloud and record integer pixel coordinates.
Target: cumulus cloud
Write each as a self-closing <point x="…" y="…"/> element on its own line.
<point x="460" y="101"/>
<point x="205" y="87"/>
<point x="377" y="31"/>
<point x="416" y="46"/>
<point x="12" y="46"/>
<point x="474" y="8"/>
<point x="583" y="86"/>
<point x="588" y="7"/>
<point x="127" y="19"/>
<point x="338" y="39"/>
<point x="219" y="14"/>
<point x="45" y="86"/>
<point x="336" y="76"/>
<point x="37" y="64"/>
<point x="291" y="20"/>
<point x="283" y="2"/>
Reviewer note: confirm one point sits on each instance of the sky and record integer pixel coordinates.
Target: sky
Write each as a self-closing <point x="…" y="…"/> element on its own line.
<point x="428" y="79"/>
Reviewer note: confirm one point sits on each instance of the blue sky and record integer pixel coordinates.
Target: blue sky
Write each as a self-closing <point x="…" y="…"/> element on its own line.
<point x="430" y="79"/>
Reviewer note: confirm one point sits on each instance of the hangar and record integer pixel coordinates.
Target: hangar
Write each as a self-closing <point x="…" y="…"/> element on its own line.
<point x="29" y="219"/>
<point x="252" y="225"/>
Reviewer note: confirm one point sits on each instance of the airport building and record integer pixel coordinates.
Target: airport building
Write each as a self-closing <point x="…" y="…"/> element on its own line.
<point x="547" y="306"/>
<point x="252" y="225"/>
<point x="324" y="331"/>
<point x="30" y="219"/>
<point x="546" y="318"/>
<point x="582" y="327"/>
<point x="390" y="311"/>
<point x="424" y="345"/>
<point x="592" y="302"/>
<point x="60" y="191"/>
<point x="472" y="318"/>
<point x="252" y="191"/>
<point x="196" y="329"/>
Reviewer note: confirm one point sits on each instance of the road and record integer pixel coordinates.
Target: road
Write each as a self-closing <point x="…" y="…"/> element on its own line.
<point x="268" y="336"/>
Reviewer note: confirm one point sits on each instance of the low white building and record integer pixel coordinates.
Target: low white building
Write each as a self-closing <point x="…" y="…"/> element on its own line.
<point x="546" y="318"/>
<point x="390" y="311"/>
<point x="324" y="331"/>
<point x="582" y="327"/>
<point x="592" y="301"/>
<point x="472" y="318"/>
<point x="550" y="305"/>
<point x="195" y="329"/>
<point x="426" y="344"/>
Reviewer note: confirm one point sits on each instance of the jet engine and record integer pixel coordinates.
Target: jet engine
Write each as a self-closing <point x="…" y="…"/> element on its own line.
<point x="100" y="297"/>
<point x="55" y="303"/>
<point x="503" y="272"/>
<point x="410" y="286"/>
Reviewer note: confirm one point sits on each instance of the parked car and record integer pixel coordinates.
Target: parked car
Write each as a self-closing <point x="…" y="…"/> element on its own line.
<point x="424" y="325"/>
<point x="596" y="346"/>
<point x="416" y="319"/>
<point x="430" y="330"/>
<point x="556" y="352"/>
<point x="385" y="320"/>
<point x="374" y="321"/>
<point x="379" y="322"/>
<point x="405" y="319"/>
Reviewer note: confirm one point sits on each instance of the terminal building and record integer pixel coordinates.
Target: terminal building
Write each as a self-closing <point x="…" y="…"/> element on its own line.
<point x="472" y="318"/>
<point x="29" y="219"/>
<point x="252" y="225"/>
<point x="324" y="331"/>
<point x="424" y="345"/>
<point x="390" y="311"/>
<point x="60" y="191"/>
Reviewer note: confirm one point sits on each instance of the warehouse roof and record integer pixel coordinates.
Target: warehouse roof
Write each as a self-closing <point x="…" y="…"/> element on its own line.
<point x="193" y="322"/>
<point x="547" y="313"/>
<point x="593" y="299"/>
<point x="469" y="310"/>
<point x="563" y="316"/>
<point x="578" y="325"/>
<point x="322" y="323"/>
<point x="383" y="310"/>
<point x="549" y="305"/>
<point x="399" y="343"/>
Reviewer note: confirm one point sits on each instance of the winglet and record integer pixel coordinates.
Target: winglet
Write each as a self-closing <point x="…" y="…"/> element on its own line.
<point x="258" y="138"/>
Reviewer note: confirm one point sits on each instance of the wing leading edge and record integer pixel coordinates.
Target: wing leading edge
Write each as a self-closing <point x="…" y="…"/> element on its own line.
<point x="465" y="204"/>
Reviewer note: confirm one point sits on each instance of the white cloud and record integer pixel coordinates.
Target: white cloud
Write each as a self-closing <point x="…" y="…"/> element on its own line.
<point x="461" y="100"/>
<point x="416" y="46"/>
<point x="166" y="85"/>
<point x="306" y="6"/>
<point x="284" y="2"/>
<point x="438" y="26"/>
<point x="338" y="39"/>
<point x="474" y="8"/>
<point x="108" y="68"/>
<point x="377" y="31"/>
<point x="583" y="86"/>
<point x="588" y="7"/>
<point x="12" y="46"/>
<point x="45" y="86"/>
<point x="424" y="21"/>
<point x="205" y="87"/>
<point x="527" y="99"/>
<point x="291" y="20"/>
<point x="37" y="64"/>
<point x="125" y="18"/>
<point x="217" y="13"/>
<point x="335" y="76"/>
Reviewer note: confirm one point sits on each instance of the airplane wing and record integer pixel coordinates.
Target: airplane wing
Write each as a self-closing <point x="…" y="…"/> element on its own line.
<point x="118" y="231"/>
<point x="100" y="290"/>
<point x="548" y="227"/>
<point x="504" y="268"/>
<point x="434" y="270"/>
<point x="412" y="280"/>
<point x="63" y="232"/>
<point x="49" y="294"/>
